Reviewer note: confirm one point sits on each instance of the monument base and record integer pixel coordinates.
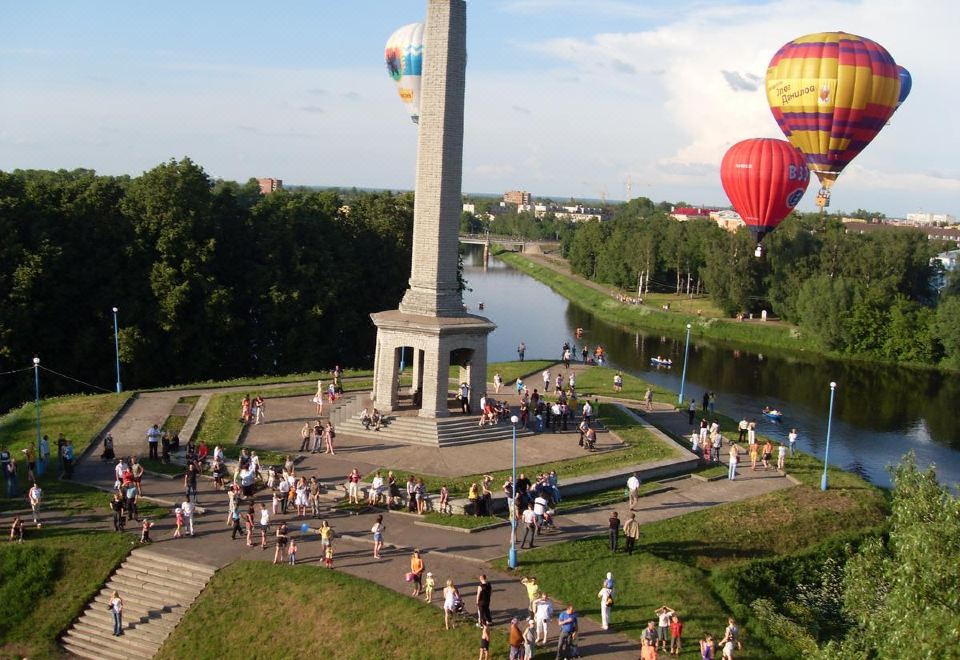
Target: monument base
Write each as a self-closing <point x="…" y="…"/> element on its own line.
<point x="438" y="343"/>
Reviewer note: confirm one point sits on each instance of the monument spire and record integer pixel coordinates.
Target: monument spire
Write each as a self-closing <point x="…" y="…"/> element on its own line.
<point x="434" y="290"/>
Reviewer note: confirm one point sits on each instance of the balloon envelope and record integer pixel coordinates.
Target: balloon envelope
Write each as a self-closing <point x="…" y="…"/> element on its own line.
<point x="906" y="84"/>
<point x="404" y="58"/>
<point x="764" y="179"/>
<point x="831" y="93"/>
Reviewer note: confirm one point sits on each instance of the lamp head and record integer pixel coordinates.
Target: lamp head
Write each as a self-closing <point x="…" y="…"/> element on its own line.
<point x="36" y="360"/>
<point x="833" y="385"/>
<point x="514" y="419"/>
<point x="689" y="325"/>
<point x="115" y="310"/>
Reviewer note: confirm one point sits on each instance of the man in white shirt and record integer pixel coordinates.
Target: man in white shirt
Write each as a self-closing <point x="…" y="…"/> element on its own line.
<point x="529" y="526"/>
<point x="546" y="380"/>
<point x="119" y="469"/>
<point x="587" y="411"/>
<point x="187" y="508"/>
<point x="633" y="486"/>
<point x="153" y="440"/>
<point x="376" y="489"/>
<point x="539" y="508"/>
<point x="542" y="611"/>
<point x="792" y="438"/>
<point x="35" y="494"/>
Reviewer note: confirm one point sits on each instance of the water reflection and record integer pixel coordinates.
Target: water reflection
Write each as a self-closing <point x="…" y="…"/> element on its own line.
<point x="880" y="412"/>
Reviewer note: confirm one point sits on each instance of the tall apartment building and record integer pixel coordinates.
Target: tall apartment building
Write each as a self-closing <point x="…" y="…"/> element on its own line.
<point x="268" y="185"/>
<point x="518" y="197"/>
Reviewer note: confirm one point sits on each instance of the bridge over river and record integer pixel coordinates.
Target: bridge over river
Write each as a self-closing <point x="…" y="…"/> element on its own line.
<point x="513" y="243"/>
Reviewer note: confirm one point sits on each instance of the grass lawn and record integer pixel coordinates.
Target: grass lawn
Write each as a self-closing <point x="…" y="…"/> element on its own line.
<point x="463" y="522"/>
<point x="80" y="418"/>
<point x="47" y="581"/>
<point x="599" y="381"/>
<point x="315" y="612"/>
<point x="605" y="306"/>
<point x="510" y="371"/>
<point x="676" y="558"/>
<point x="73" y="498"/>
<point x="254" y="381"/>
<point x="640" y="447"/>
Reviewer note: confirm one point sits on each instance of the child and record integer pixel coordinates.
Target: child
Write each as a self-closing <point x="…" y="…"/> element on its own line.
<point x="328" y="556"/>
<point x="145" y="531"/>
<point x="676" y="633"/>
<point x="276" y="503"/>
<point x="428" y="585"/>
<point x="444" y="499"/>
<point x="292" y="553"/>
<point x="781" y="457"/>
<point x="485" y="642"/>
<point x="178" y="532"/>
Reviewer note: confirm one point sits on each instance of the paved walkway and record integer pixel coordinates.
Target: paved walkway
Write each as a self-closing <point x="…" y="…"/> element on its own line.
<point x="447" y="553"/>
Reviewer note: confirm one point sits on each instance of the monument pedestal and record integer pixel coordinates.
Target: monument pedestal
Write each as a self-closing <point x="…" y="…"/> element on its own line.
<point x="438" y="342"/>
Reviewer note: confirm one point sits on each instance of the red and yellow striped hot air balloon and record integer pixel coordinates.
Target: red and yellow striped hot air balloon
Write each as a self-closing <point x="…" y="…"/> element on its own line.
<point x="831" y="93"/>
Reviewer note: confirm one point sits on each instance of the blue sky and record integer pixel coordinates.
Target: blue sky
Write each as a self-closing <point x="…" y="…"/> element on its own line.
<point x="564" y="97"/>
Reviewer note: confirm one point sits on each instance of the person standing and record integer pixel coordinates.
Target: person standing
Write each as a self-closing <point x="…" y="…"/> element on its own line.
<point x="116" y="608"/>
<point x="742" y="429"/>
<point x="546" y="380"/>
<point x="264" y="525"/>
<point x="153" y="440"/>
<point x="529" y="640"/>
<point x="497" y="382"/>
<point x="328" y="435"/>
<point x="631" y="532"/>
<point x="283" y="537"/>
<point x="68" y="460"/>
<point x="781" y="457"/>
<point x="606" y="603"/>
<point x="664" y="617"/>
<point x="190" y="482"/>
<point x="451" y="598"/>
<point x="45" y="451"/>
<point x="691" y="411"/>
<point x="116" y="505"/>
<point x="516" y="640"/>
<point x="416" y="569"/>
<point x="633" y="489"/>
<point x="706" y="647"/>
<point x="16" y="529"/>
<point x="542" y="611"/>
<point x="521" y="350"/>
<point x="676" y="634"/>
<point x="305" y="437"/>
<point x="484" y="591"/>
<point x="10" y="474"/>
<point x="568" y="632"/>
<point x="529" y="526"/>
<point x="377" y="530"/>
<point x="734" y="457"/>
<point x="792" y="439"/>
<point x="614" y="531"/>
<point x="648" y="398"/>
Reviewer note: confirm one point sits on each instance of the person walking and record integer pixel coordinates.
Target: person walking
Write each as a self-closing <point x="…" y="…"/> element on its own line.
<point x="521" y="351"/>
<point x="451" y="599"/>
<point x="529" y="526"/>
<point x="116" y="608"/>
<point x="781" y="457"/>
<point x="648" y="399"/>
<point x="566" y="644"/>
<point x="485" y="643"/>
<point x="631" y="532"/>
<point x="484" y="591"/>
<point x="731" y="639"/>
<point x="633" y="489"/>
<point x="264" y="525"/>
<point x="188" y="509"/>
<point x="116" y="506"/>
<point x="190" y="482"/>
<point x="283" y="537"/>
<point x="606" y="603"/>
<point x="377" y="530"/>
<point x="614" y="531"/>
<point x="35" y="495"/>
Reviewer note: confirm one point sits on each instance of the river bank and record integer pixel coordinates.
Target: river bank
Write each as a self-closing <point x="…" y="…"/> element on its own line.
<point x="601" y="301"/>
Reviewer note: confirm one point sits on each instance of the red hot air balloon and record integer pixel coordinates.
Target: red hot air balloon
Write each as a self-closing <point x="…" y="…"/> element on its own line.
<point x="764" y="179"/>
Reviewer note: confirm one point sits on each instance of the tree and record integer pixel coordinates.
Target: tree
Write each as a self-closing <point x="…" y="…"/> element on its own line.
<point x="903" y="591"/>
<point x="822" y="304"/>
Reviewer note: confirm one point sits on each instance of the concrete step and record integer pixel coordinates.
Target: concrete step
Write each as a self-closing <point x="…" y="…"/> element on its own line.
<point x="160" y="583"/>
<point x="151" y="607"/>
<point x="168" y="576"/>
<point x="156" y="557"/>
<point x="93" y="650"/>
<point x="145" y="591"/>
<point x="141" y="635"/>
<point x="181" y="573"/>
<point x="126" y="642"/>
<point x="164" y="621"/>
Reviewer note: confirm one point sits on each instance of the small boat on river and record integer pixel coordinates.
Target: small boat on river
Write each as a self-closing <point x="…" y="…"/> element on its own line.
<point x="661" y="362"/>
<point x="772" y="414"/>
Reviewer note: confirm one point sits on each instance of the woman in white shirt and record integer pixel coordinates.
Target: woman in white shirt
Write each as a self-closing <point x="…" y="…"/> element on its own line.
<point x="116" y="608"/>
<point x="606" y="603"/>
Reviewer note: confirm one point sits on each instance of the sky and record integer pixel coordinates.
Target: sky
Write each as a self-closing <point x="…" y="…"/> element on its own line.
<point x="565" y="98"/>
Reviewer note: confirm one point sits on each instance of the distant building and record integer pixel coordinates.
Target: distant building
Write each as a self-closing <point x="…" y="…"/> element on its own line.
<point x="684" y="213"/>
<point x="951" y="234"/>
<point x="470" y="208"/>
<point x="728" y="220"/>
<point x="947" y="263"/>
<point x="268" y="186"/>
<point x="518" y="197"/>
<point x="930" y="219"/>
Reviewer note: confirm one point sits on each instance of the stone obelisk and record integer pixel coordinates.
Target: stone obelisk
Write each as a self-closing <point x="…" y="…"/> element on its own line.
<point x="431" y="319"/>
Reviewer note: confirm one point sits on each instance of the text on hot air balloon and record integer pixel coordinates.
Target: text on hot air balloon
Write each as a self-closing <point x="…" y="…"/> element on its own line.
<point x="798" y="173"/>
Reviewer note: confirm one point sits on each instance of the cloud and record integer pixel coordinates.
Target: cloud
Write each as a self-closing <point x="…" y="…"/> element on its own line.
<point x="623" y="67"/>
<point x="353" y="96"/>
<point x="318" y="91"/>
<point x="315" y="109"/>
<point x="745" y="82"/>
<point x="520" y="109"/>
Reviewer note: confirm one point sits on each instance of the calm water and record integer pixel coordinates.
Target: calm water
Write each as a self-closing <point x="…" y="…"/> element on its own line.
<point x="880" y="412"/>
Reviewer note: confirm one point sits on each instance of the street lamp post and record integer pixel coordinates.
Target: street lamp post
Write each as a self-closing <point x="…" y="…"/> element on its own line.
<point x="116" y="347"/>
<point x="36" y="394"/>
<point x="826" y="453"/>
<point x="683" y="376"/>
<point x="511" y="506"/>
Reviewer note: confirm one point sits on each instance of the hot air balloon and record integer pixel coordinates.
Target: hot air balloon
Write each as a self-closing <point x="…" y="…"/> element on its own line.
<point x="831" y="93"/>
<point x="764" y="179"/>
<point x="404" y="57"/>
<point x="906" y="84"/>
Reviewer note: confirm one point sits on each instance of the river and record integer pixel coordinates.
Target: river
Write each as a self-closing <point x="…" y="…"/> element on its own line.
<point x="880" y="411"/>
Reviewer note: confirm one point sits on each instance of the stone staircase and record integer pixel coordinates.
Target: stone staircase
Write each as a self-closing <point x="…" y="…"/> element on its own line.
<point x="441" y="432"/>
<point x="156" y="591"/>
